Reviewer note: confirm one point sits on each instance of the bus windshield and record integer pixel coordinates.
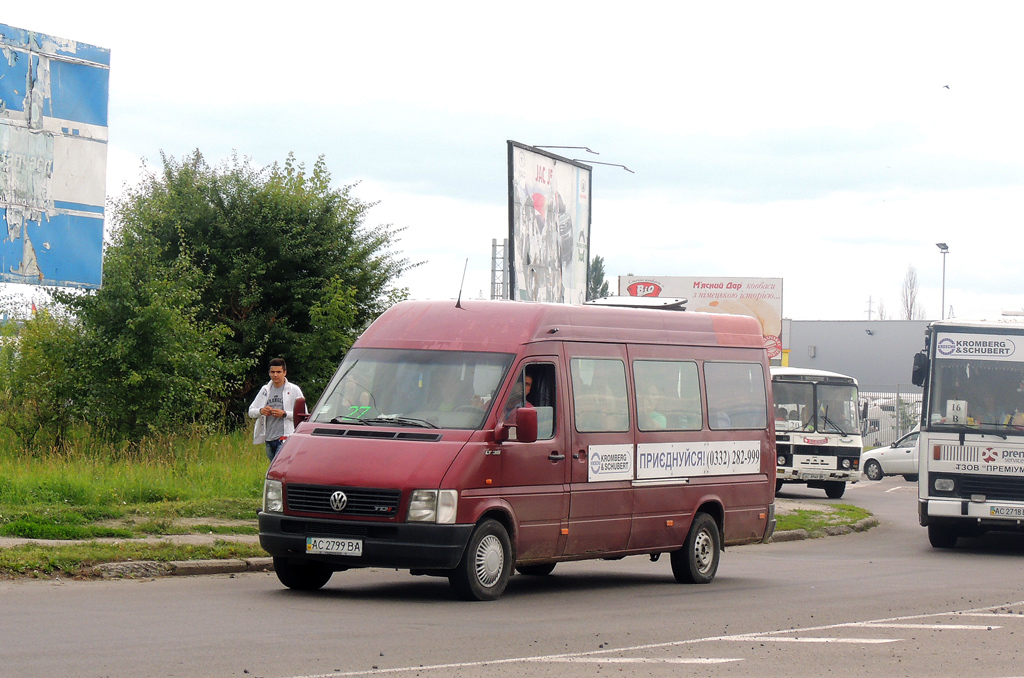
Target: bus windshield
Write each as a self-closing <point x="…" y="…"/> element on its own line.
<point x="821" y="408"/>
<point x="425" y="389"/>
<point x="978" y="393"/>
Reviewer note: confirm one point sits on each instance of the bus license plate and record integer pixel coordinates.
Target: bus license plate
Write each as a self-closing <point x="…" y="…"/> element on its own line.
<point x="812" y="475"/>
<point x="1006" y="511"/>
<point x="341" y="547"/>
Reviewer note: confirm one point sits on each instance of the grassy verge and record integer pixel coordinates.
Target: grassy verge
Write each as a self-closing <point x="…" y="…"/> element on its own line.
<point x="817" y="522"/>
<point x="209" y="485"/>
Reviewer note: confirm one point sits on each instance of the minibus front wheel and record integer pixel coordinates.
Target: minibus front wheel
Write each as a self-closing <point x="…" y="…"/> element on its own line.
<point x="301" y="576"/>
<point x="697" y="561"/>
<point x="486" y="566"/>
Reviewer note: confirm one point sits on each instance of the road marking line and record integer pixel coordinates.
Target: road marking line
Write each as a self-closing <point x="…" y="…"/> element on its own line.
<point x="784" y="639"/>
<point x="940" y="627"/>
<point x="642" y="660"/>
<point x="1000" y="615"/>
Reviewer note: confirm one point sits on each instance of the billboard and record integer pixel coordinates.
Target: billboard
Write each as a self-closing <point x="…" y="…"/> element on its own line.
<point x="549" y="226"/>
<point x="759" y="298"/>
<point x="53" y="159"/>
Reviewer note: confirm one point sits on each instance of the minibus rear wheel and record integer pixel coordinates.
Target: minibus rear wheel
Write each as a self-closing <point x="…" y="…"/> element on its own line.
<point x="486" y="565"/>
<point x="541" y="570"/>
<point x="697" y="561"/>
<point x="301" y="576"/>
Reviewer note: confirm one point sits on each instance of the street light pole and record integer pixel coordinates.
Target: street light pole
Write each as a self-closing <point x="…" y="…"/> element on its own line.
<point x="944" y="249"/>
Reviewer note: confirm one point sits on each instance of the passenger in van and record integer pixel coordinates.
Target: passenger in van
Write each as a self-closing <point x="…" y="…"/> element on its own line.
<point x="650" y="417"/>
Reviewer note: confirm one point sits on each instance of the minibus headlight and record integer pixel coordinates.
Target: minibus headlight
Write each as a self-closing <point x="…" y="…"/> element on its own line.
<point x="433" y="506"/>
<point x="781" y="460"/>
<point x="846" y="464"/>
<point x="273" y="496"/>
<point x="944" y="485"/>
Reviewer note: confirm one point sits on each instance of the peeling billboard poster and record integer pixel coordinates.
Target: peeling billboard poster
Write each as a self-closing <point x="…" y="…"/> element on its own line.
<point x="53" y="159"/>
<point x="760" y="298"/>
<point x="549" y="226"/>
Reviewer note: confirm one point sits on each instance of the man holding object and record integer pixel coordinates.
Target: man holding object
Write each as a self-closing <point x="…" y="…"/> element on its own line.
<point x="273" y="408"/>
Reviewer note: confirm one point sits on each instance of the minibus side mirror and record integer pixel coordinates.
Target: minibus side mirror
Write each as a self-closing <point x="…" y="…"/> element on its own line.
<point x="526" y="425"/>
<point x="920" y="369"/>
<point x="299" y="413"/>
<point x="524" y="420"/>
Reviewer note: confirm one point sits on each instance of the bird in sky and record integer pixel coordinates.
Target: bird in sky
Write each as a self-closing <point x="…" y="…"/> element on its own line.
<point x="946" y="86"/>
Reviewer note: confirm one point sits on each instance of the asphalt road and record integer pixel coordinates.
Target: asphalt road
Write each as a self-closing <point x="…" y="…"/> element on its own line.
<point x="879" y="602"/>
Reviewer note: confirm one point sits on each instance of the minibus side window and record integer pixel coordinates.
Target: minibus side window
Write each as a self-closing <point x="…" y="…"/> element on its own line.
<point x="599" y="394"/>
<point x="537" y="381"/>
<point x="667" y="395"/>
<point x="736" y="395"/>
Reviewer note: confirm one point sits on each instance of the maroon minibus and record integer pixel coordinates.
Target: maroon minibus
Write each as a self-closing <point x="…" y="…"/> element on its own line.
<point x="470" y="440"/>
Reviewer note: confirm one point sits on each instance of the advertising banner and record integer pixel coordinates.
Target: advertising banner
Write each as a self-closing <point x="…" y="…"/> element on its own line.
<point x="53" y="159"/>
<point x="979" y="346"/>
<point x="549" y="226"/>
<point x="759" y="298"/>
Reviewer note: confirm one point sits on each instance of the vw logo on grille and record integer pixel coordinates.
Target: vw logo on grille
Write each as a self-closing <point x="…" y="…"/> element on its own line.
<point x="339" y="501"/>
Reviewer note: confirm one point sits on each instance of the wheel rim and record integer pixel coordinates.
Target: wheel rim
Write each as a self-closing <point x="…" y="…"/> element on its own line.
<point x="703" y="551"/>
<point x="874" y="471"/>
<point x="490" y="561"/>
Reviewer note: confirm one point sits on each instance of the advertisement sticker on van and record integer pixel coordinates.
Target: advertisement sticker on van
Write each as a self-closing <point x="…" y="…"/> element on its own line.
<point x="704" y="458"/>
<point x="610" y="462"/>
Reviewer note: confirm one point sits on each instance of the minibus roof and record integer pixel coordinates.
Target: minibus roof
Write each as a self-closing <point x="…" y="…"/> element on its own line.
<point x="504" y="326"/>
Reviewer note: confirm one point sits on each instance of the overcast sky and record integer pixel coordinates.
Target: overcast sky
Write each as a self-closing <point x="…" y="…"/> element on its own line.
<point x="830" y="145"/>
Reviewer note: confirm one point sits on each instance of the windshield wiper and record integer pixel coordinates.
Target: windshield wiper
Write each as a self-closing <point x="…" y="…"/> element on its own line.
<point x="399" y="421"/>
<point x="977" y="429"/>
<point x="345" y="419"/>
<point x="834" y="425"/>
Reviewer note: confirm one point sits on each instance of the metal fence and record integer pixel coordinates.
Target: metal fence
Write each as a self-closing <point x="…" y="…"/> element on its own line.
<point x="890" y="414"/>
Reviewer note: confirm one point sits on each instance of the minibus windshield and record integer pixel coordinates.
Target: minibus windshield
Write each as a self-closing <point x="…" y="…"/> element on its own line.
<point x="413" y="388"/>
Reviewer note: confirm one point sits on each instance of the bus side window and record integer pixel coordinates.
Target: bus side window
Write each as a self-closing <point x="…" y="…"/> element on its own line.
<point x="736" y="395"/>
<point x="599" y="394"/>
<point x="667" y="395"/>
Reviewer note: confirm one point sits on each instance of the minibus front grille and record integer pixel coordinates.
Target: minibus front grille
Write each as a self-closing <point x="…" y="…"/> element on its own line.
<point x="371" y="433"/>
<point x="359" y="501"/>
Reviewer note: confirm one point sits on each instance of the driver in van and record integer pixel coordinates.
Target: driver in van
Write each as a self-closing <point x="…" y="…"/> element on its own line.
<point x="517" y="397"/>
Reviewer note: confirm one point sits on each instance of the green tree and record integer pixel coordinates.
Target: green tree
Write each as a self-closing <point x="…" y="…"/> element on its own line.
<point x="278" y="258"/>
<point x="147" y="361"/>
<point x="597" y="286"/>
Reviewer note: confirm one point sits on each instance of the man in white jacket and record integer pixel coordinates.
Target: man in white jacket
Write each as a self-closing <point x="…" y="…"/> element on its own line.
<point x="273" y="409"/>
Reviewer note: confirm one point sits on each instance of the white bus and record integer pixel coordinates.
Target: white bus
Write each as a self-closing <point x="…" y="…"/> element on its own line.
<point x="971" y="446"/>
<point x="817" y="429"/>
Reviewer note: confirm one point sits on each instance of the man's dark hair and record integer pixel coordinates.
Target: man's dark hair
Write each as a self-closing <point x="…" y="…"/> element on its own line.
<point x="279" y="362"/>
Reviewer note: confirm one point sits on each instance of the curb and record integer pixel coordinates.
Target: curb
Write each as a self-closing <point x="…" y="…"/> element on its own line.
<point x="142" y="569"/>
<point x="832" y="531"/>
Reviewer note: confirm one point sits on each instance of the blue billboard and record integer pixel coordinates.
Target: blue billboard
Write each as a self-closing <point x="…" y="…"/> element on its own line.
<point x="53" y="159"/>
